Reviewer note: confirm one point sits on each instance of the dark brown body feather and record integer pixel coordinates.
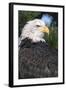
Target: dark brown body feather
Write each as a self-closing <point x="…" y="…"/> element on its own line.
<point x="37" y="60"/>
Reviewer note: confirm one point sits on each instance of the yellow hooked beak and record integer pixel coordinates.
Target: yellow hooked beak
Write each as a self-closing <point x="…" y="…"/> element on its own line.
<point x="44" y="29"/>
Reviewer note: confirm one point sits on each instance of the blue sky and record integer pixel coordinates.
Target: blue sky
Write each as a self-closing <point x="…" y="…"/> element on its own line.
<point x="47" y="19"/>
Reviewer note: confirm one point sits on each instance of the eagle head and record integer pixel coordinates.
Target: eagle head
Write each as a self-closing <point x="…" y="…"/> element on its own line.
<point x="34" y="30"/>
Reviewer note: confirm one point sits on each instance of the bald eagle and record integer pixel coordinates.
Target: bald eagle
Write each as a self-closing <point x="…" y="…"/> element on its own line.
<point x="36" y="58"/>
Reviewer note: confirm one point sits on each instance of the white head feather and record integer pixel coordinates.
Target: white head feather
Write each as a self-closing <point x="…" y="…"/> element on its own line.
<point x="31" y="31"/>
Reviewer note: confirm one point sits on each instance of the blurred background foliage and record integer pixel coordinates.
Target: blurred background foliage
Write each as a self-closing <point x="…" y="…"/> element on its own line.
<point x="52" y="39"/>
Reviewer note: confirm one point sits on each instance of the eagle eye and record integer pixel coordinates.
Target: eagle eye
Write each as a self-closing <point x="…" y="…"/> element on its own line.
<point x="38" y="25"/>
